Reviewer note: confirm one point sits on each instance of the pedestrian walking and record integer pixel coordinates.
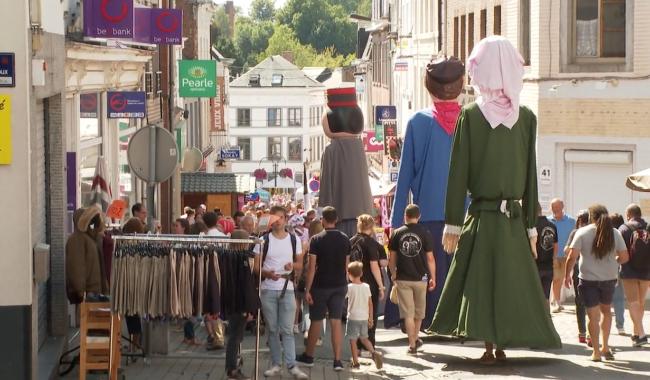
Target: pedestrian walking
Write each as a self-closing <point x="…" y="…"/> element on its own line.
<point x="601" y="249"/>
<point x="133" y="323"/>
<point x="413" y="271"/>
<point x="636" y="273"/>
<point x="369" y="252"/>
<point x="281" y="255"/>
<point x="564" y="225"/>
<point x="213" y="323"/>
<point x="619" y="294"/>
<point x="582" y="219"/>
<point x="547" y="251"/>
<point x="326" y="286"/>
<point x="360" y="315"/>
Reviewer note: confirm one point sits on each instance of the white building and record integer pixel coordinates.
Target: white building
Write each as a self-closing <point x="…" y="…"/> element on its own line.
<point x="275" y="111"/>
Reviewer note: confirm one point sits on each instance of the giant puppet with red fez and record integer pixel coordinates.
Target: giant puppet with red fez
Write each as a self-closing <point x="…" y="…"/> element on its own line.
<point x="344" y="171"/>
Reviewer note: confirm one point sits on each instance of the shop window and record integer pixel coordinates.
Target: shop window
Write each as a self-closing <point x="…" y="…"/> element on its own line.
<point x="470" y="33"/>
<point x="87" y="164"/>
<point x="127" y="181"/>
<point x="463" y="37"/>
<point x="274" y="117"/>
<point x="483" y="23"/>
<point x="600" y="28"/>
<point x="524" y="31"/>
<point x="243" y="117"/>
<point x="274" y="147"/>
<point x="456" y="43"/>
<point x="244" y="144"/>
<point x="295" y="117"/>
<point x="295" y="149"/>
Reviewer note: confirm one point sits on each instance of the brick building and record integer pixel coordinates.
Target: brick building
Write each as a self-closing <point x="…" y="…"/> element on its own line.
<point x="587" y="78"/>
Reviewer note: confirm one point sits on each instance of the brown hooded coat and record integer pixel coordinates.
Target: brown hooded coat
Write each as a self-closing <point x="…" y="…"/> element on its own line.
<point x="82" y="262"/>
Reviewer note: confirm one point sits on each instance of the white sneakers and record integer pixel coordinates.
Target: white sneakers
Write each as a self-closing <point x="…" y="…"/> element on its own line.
<point x="277" y="371"/>
<point x="556" y="307"/>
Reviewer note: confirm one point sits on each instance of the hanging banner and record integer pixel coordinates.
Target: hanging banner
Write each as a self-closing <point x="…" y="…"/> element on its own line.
<point x="127" y="104"/>
<point x="89" y="106"/>
<point x="5" y="129"/>
<point x="385" y="113"/>
<point x="370" y="142"/>
<point x="158" y="26"/>
<point x="197" y="79"/>
<point x="71" y="179"/>
<point x="217" y="122"/>
<point x="108" y="18"/>
<point x="390" y="134"/>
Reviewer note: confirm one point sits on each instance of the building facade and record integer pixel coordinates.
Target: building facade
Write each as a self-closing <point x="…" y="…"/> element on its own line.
<point x="588" y="80"/>
<point x="275" y="111"/>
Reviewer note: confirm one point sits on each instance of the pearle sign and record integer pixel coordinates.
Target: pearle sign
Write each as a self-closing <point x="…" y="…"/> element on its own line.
<point x="197" y="79"/>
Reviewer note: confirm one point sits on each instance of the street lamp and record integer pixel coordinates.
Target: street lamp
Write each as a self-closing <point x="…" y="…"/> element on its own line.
<point x="275" y="159"/>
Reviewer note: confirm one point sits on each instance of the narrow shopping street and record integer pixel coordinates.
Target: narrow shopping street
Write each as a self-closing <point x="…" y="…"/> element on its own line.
<point x="439" y="359"/>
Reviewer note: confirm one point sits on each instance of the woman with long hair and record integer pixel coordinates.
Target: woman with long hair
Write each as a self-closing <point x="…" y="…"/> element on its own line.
<point x="582" y="219"/>
<point x="601" y="249"/>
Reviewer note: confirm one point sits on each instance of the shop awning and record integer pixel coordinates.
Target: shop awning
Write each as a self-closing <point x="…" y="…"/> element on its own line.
<point x="212" y="183"/>
<point x="639" y="181"/>
<point x="379" y="188"/>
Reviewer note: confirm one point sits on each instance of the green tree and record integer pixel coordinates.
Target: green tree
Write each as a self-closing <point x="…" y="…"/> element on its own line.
<point x="262" y="10"/>
<point x="322" y="23"/>
<point x="365" y="8"/>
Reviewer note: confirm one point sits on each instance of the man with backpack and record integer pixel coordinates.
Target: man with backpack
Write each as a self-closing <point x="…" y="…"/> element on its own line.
<point x="367" y="250"/>
<point x="281" y="255"/>
<point x="635" y="274"/>
<point x="413" y="269"/>
<point x="547" y="250"/>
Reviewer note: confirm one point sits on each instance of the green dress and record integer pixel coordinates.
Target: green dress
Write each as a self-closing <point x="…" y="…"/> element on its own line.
<point x="493" y="292"/>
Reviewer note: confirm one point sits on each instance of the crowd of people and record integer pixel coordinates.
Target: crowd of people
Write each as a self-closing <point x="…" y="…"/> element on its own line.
<point x="593" y="255"/>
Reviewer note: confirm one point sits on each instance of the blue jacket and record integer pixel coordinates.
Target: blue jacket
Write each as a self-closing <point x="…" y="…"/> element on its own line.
<point x="424" y="169"/>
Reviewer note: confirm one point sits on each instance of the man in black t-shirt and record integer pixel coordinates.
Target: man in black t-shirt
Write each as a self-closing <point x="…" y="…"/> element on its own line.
<point x="547" y="246"/>
<point x="411" y="263"/>
<point x="326" y="286"/>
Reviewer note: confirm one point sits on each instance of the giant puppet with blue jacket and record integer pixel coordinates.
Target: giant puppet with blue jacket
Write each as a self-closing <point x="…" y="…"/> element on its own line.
<point x="344" y="181"/>
<point x="424" y="167"/>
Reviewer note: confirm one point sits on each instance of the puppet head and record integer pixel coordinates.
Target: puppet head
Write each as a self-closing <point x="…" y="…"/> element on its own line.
<point x="344" y="117"/>
<point x="444" y="78"/>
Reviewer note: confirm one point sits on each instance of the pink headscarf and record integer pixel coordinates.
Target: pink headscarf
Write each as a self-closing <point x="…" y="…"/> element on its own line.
<point x="497" y="71"/>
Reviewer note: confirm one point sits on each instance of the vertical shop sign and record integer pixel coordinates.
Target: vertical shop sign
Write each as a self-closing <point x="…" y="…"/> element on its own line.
<point x="89" y="106"/>
<point x="197" y="79"/>
<point x="5" y="129"/>
<point x="216" y="106"/>
<point x="126" y="104"/>
<point x="108" y="18"/>
<point x="71" y="179"/>
<point x="383" y="113"/>
<point x="390" y="135"/>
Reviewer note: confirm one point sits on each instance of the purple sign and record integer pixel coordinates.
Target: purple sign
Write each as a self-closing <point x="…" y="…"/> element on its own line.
<point x="71" y="174"/>
<point x="131" y="104"/>
<point x="108" y="18"/>
<point x="159" y="26"/>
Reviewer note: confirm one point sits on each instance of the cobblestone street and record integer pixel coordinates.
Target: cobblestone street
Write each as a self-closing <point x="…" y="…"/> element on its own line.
<point x="440" y="359"/>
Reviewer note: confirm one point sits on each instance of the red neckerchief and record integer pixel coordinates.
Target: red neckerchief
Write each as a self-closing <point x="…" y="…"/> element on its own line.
<point x="446" y="113"/>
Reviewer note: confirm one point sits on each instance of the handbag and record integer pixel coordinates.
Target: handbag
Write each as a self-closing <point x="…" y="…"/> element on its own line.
<point x="393" y="294"/>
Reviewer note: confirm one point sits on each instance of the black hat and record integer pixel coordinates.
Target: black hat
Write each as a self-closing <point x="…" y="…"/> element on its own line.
<point x="444" y="77"/>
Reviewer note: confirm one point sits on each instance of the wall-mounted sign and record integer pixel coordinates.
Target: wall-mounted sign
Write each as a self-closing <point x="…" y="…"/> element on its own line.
<point x="314" y="185"/>
<point x="5" y="129"/>
<point x="370" y="142"/>
<point x="158" y="26"/>
<point x="390" y="135"/>
<point x="393" y="175"/>
<point x="233" y="153"/>
<point x="197" y="79"/>
<point x="108" y="18"/>
<point x="217" y="122"/>
<point x="89" y="105"/>
<point x="127" y="104"/>
<point x="385" y="113"/>
<point x="545" y="175"/>
<point x="7" y="70"/>
<point x="401" y="66"/>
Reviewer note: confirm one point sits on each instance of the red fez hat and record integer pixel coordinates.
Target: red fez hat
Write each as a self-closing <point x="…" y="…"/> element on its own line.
<point x="341" y="97"/>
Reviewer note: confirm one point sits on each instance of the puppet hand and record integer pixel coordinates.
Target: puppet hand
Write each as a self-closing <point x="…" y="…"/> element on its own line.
<point x="450" y="242"/>
<point x="533" y="246"/>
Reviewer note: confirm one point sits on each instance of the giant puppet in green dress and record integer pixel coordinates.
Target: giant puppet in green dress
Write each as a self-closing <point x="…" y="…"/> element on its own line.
<point x="493" y="292"/>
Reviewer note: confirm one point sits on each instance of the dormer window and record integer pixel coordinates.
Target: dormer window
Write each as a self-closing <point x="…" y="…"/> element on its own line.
<point x="276" y="80"/>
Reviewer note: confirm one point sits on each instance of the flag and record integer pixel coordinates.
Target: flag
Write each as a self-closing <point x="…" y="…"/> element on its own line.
<point x="100" y="190"/>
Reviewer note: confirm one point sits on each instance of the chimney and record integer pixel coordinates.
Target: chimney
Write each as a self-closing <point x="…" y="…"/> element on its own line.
<point x="288" y="55"/>
<point x="230" y="12"/>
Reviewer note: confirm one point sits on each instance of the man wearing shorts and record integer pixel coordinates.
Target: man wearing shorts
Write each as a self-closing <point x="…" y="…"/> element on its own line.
<point x="564" y="224"/>
<point x="411" y="263"/>
<point x="326" y="286"/>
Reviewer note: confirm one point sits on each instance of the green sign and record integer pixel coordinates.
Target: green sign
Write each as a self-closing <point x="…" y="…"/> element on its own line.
<point x="197" y="79"/>
<point x="379" y="133"/>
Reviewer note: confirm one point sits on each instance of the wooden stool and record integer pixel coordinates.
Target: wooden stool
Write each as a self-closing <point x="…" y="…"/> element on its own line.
<point x="101" y="349"/>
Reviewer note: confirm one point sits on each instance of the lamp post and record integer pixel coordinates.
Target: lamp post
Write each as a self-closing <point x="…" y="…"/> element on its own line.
<point x="276" y="162"/>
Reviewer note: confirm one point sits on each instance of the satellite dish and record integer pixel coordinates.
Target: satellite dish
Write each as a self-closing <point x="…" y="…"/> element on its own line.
<point x="192" y="159"/>
<point x="152" y="143"/>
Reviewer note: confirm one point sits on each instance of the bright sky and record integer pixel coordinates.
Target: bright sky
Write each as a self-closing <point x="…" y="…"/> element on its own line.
<point x="245" y="4"/>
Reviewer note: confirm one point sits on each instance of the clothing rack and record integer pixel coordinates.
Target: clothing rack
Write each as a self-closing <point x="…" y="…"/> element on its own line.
<point x="214" y="240"/>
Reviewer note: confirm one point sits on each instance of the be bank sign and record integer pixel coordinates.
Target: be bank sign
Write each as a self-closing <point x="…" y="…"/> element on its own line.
<point x="108" y="18"/>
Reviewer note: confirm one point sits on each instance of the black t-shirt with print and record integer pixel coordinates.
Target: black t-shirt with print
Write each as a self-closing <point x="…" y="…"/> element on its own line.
<point x="331" y="247"/>
<point x="546" y="238"/>
<point x="372" y="251"/>
<point x="411" y="242"/>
